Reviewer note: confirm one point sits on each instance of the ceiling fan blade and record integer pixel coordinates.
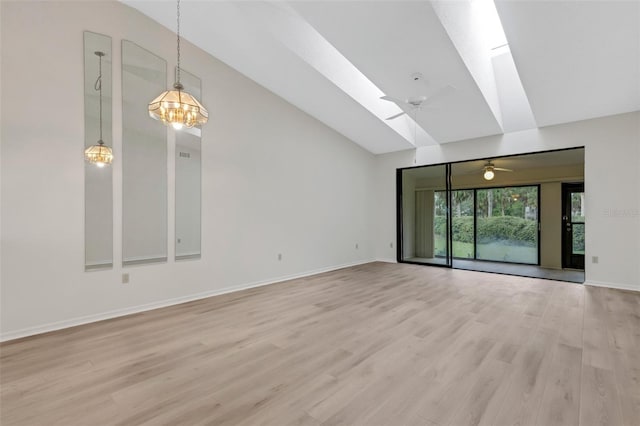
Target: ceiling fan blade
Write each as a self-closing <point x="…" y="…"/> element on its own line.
<point x="394" y="100"/>
<point x="396" y="116"/>
<point x="502" y="170"/>
<point x="440" y="93"/>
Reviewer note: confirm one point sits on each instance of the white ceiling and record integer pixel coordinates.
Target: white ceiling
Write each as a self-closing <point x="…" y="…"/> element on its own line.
<point x="576" y="59"/>
<point x="334" y="59"/>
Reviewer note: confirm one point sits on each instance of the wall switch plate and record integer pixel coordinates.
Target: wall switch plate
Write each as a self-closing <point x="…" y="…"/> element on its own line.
<point x="594" y="259"/>
<point x="391" y="245"/>
<point x="279" y="256"/>
<point x="356" y="246"/>
<point x="125" y="278"/>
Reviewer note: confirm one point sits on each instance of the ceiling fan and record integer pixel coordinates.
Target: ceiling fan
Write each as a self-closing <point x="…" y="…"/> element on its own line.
<point x="416" y="103"/>
<point x="489" y="170"/>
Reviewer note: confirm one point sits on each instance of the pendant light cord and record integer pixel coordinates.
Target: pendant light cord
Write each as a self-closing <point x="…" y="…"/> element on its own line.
<point x="98" y="86"/>
<point x="178" y="34"/>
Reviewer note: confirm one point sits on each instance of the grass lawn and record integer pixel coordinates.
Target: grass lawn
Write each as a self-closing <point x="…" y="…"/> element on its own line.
<point x="497" y="250"/>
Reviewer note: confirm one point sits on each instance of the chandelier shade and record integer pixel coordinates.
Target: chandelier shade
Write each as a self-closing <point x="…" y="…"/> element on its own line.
<point x="99" y="154"/>
<point x="178" y="108"/>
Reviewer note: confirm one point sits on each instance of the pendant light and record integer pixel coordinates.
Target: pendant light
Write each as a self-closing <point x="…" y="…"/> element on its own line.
<point x="99" y="154"/>
<point x="177" y="107"/>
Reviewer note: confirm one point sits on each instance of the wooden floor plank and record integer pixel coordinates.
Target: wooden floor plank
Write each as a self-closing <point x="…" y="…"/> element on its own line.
<point x="561" y="400"/>
<point x="376" y="344"/>
<point x="599" y="401"/>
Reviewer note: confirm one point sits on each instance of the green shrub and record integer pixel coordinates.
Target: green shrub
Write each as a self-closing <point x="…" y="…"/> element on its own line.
<point x="490" y="229"/>
<point x="507" y="228"/>
<point x="463" y="229"/>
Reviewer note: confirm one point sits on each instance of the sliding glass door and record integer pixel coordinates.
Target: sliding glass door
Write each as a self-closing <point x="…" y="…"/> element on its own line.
<point x="498" y="224"/>
<point x="423" y="207"/>
<point x="494" y="224"/>
<point x="507" y="224"/>
<point x="485" y="214"/>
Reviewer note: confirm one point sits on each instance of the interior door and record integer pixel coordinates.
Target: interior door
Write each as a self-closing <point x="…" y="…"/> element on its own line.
<point x="573" y="225"/>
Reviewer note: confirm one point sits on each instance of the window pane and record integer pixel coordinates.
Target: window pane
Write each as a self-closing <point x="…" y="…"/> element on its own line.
<point x="440" y="223"/>
<point x="578" y="239"/>
<point x="577" y="207"/>
<point x="424" y="210"/>
<point x="462" y="218"/>
<point x="507" y="220"/>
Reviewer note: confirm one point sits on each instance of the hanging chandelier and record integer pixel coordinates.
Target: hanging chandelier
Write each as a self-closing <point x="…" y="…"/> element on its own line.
<point x="177" y="107"/>
<point x="99" y="154"/>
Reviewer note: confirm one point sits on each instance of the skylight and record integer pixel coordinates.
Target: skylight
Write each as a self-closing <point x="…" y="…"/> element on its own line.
<point x="305" y="41"/>
<point x="490" y="22"/>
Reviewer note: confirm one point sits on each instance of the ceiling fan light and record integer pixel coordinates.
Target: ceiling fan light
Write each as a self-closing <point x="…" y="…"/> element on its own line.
<point x="488" y="173"/>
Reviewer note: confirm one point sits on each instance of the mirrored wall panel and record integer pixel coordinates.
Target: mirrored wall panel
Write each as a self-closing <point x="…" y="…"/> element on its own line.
<point x="144" y="158"/>
<point x="188" y="187"/>
<point x="98" y="177"/>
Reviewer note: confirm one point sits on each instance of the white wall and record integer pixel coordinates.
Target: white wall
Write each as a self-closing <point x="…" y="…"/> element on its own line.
<point x="612" y="178"/>
<point x="275" y="180"/>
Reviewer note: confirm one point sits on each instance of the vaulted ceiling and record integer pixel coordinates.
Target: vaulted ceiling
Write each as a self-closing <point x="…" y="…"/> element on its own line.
<point x="565" y="61"/>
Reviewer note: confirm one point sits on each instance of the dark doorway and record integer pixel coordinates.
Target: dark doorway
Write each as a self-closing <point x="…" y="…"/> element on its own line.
<point x="573" y="225"/>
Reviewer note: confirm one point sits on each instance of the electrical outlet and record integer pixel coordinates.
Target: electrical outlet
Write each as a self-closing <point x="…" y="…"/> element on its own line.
<point x="391" y="245"/>
<point x="125" y="278"/>
<point x="179" y="240"/>
<point x="279" y="256"/>
<point x="594" y="259"/>
<point x="356" y="246"/>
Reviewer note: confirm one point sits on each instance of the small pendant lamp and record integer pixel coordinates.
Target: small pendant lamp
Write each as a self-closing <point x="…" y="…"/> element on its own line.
<point x="99" y="154"/>
<point x="177" y="107"/>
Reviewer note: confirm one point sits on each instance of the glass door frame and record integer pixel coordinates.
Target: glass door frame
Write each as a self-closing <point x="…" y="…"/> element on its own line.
<point x="399" y="216"/>
<point x="448" y="165"/>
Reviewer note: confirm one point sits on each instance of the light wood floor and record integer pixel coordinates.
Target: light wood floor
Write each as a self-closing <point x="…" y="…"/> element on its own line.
<point x="378" y="344"/>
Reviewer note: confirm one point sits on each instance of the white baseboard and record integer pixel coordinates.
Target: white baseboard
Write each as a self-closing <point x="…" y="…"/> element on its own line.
<point x="387" y="260"/>
<point x="612" y="285"/>
<point x="59" y="325"/>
